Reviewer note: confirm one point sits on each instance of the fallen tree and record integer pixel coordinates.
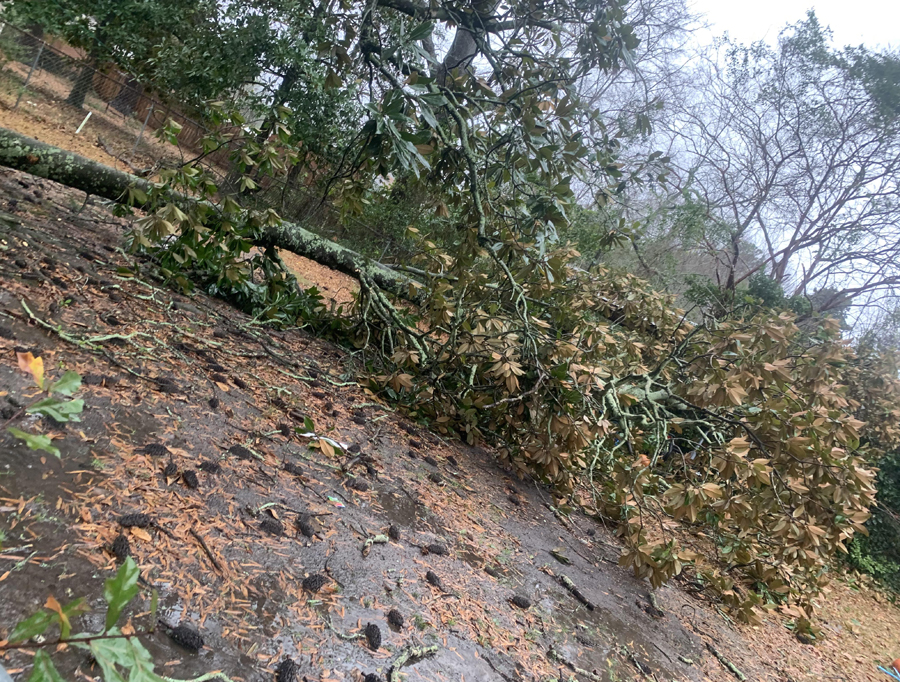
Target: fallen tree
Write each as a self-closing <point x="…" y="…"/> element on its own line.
<point x="743" y="429"/>
<point x="26" y="154"/>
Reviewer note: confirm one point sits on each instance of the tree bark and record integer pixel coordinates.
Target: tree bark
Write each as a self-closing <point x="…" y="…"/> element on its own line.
<point x="82" y="86"/>
<point x="43" y="160"/>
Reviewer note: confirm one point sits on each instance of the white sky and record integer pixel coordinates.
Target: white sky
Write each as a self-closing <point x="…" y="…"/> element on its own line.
<point x="872" y="22"/>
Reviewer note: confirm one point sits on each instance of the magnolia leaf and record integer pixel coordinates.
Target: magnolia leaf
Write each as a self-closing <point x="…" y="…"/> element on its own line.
<point x="422" y="31"/>
<point x="67" y="384"/>
<point x="120" y="590"/>
<point x="64" y="625"/>
<point x="57" y="409"/>
<point x="32" y="626"/>
<point x="44" y="670"/>
<point x="35" y="441"/>
<point x="32" y="365"/>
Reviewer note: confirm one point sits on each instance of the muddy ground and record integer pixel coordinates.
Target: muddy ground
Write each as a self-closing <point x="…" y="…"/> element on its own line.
<point x="212" y="392"/>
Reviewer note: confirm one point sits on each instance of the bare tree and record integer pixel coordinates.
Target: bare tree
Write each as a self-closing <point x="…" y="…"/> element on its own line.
<point x="796" y="150"/>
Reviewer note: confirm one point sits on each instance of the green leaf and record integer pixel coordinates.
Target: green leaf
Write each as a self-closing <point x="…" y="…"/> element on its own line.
<point x="68" y="383"/>
<point x="109" y="653"/>
<point x="32" y="626"/>
<point x="309" y="425"/>
<point x="422" y="31"/>
<point x="44" y="670"/>
<point x="120" y="590"/>
<point x="59" y="410"/>
<point x="35" y="441"/>
<point x="136" y="195"/>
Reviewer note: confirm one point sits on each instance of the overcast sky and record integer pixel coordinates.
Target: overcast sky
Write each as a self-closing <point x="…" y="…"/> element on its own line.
<point x="872" y="22"/>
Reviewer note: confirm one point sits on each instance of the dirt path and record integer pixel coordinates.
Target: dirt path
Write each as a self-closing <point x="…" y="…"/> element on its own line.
<point x="194" y="383"/>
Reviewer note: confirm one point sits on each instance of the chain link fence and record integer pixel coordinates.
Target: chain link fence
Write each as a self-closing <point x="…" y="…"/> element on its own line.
<point x="54" y="93"/>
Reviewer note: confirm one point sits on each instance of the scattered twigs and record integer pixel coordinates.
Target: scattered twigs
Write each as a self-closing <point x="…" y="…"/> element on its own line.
<point x="206" y="549"/>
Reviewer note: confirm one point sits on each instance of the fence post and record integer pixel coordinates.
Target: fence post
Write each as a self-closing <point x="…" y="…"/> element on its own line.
<point x="34" y="64"/>
<point x="141" y="134"/>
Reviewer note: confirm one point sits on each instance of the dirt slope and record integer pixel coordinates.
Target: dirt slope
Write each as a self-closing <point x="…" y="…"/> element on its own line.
<point x="202" y="385"/>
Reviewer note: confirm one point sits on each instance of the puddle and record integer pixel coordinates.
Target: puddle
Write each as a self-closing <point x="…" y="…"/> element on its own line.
<point x="399" y="509"/>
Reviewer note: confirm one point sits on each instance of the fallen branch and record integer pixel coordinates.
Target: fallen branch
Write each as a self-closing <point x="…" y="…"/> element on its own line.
<point x="571" y="587"/>
<point x="731" y="667"/>
<point x="46" y="161"/>
<point x="409" y="656"/>
<point x="554" y="655"/>
<point x="374" y="540"/>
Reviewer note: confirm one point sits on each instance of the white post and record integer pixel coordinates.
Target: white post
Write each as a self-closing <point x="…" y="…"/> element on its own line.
<point x="83" y="122"/>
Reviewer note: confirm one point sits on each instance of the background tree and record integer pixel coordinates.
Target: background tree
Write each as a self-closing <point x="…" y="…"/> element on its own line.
<point x="796" y="150"/>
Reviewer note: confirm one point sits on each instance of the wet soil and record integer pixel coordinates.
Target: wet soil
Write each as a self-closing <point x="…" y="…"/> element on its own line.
<point x="157" y="368"/>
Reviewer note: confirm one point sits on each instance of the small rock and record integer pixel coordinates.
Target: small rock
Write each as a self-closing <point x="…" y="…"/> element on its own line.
<point x="187" y="637"/>
<point x="121" y="548"/>
<point x="287" y="671"/>
<point x="373" y="636"/>
<point x="395" y="619"/>
<point x="313" y="583"/>
<point x="305" y="526"/>
<point x="240" y="452"/>
<point x="271" y="526"/>
<point x="135" y="521"/>
<point x="434" y="579"/>
<point x="157" y="450"/>
<point x="210" y="467"/>
<point x="521" y="601"/>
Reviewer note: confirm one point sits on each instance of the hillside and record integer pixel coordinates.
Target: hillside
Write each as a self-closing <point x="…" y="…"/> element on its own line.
<point x="202" y="384"/>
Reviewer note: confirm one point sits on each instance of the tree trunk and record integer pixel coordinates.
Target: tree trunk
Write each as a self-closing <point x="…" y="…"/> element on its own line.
<point x="83" y="85"/>
<point x="43" y="160"/>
